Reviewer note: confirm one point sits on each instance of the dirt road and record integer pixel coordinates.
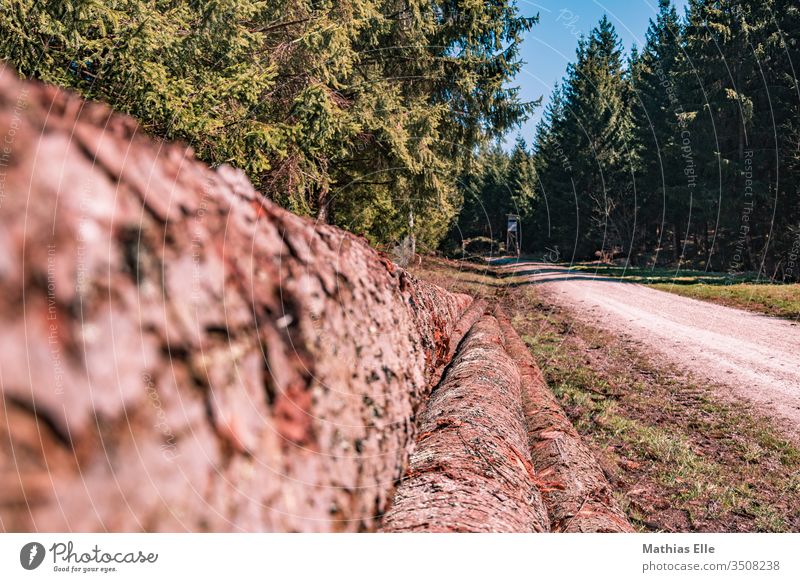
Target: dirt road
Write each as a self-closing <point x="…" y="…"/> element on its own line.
<point x="754" y="356"/>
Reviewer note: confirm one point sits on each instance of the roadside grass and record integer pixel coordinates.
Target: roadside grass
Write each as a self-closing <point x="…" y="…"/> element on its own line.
<point x="651" y="275"/>
<point x="777" y="300"/>
<point x="459" y="277"/>
<point x="681" y="458"/>
<point x="680" y="455"/>
<point x="743" y="291"/>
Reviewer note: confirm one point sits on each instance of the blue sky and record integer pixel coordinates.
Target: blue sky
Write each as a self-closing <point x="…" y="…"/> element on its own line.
<point x="550" y="45"/>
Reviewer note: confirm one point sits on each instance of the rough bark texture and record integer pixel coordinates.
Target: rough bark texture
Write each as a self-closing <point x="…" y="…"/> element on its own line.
<point x="474" y="312"/>
<point x="179" y="354"/>
<point x="577" y="494"/>
<point x="471" y="469"/>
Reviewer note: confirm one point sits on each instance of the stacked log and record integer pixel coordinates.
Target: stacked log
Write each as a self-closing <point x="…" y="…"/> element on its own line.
<point x="471" y="470"/>
<point x="179" y="353"/>
<point x="574" y="489"/>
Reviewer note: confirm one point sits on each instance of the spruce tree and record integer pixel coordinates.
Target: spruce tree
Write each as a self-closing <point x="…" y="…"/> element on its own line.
<point x="359" y="112"/>
<point x="594" y="135"/>
<point x="655" y="108"/>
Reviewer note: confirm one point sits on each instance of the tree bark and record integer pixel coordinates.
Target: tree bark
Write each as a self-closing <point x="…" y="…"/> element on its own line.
<point x="180" y="354"/>
<point x="678" y="241"/>
<point x="324" y="205"/>
<point x="471" y="470"/>
<point x="574" y="489"/>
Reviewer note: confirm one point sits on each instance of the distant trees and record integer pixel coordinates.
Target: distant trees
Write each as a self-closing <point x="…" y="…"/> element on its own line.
<point x="380" y="116"/>
<point x="656" y="111"/>
<point x="363" y="113"/>
<point x="498" y="183"/>
<point x="687" y="152"/>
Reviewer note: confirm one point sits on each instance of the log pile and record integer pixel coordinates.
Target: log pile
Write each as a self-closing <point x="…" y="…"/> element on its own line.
<point x="180" y="354"/>
<point x="575" y="490"/>
<point x="471" y="469"/>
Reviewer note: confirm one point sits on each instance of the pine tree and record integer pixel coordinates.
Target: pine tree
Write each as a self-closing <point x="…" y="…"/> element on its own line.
<point x="777" y="129"/>
<point x="359" y="112"/>
<point x="554" y="210"/>
<point x="593" y="135"/>
<point x="655" y="108"/>
<point x="714" y="103"/>
<point x="521" y="180"/>
<point x="184" y="70"/>
<point x="716" y="87"/>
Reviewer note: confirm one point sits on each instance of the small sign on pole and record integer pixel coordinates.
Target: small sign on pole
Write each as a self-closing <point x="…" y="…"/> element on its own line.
<point x="513" y="234"/>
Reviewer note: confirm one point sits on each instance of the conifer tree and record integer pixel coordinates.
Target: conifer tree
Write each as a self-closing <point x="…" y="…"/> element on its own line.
<point x="655" y="108"/>
<point x="593" y="135"/>
<point x="359" y="112"/>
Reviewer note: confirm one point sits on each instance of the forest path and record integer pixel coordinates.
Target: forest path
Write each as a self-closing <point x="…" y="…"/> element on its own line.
<point x="756" y="357"/>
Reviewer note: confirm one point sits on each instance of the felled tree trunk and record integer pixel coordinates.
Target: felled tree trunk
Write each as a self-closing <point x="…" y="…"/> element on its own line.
<point x="574" y="489"/>
<point x="179" y="354"/>
<point x="471" y="470"/>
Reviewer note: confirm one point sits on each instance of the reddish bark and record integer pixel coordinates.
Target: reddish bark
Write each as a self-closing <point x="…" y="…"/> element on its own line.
<point x="575" y="490"/>
<point x="470" y="317"/>
<point x="180" y="354"/>
<point x="471" y="469"/>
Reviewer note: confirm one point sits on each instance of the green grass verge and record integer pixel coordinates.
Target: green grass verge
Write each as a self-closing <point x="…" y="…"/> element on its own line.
<point x="777" y="300"/>
<point x="742" y="291"/>
<point x="648" y="275"/>
<point x="668" y="442"/>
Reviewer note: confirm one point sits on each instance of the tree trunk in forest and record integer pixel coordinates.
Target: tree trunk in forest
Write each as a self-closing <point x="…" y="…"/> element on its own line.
<point x="324" y="205"/>
<point x="412" y="243"/>
<point x="678" y="241"/>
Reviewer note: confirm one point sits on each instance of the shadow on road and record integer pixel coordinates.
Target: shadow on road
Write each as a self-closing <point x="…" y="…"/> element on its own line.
<point x="534" y="280"/>
<point x="536" y="273"/>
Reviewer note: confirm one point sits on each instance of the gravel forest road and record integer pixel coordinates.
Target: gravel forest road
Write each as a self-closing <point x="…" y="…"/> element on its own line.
<point x="754" y="356"/>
